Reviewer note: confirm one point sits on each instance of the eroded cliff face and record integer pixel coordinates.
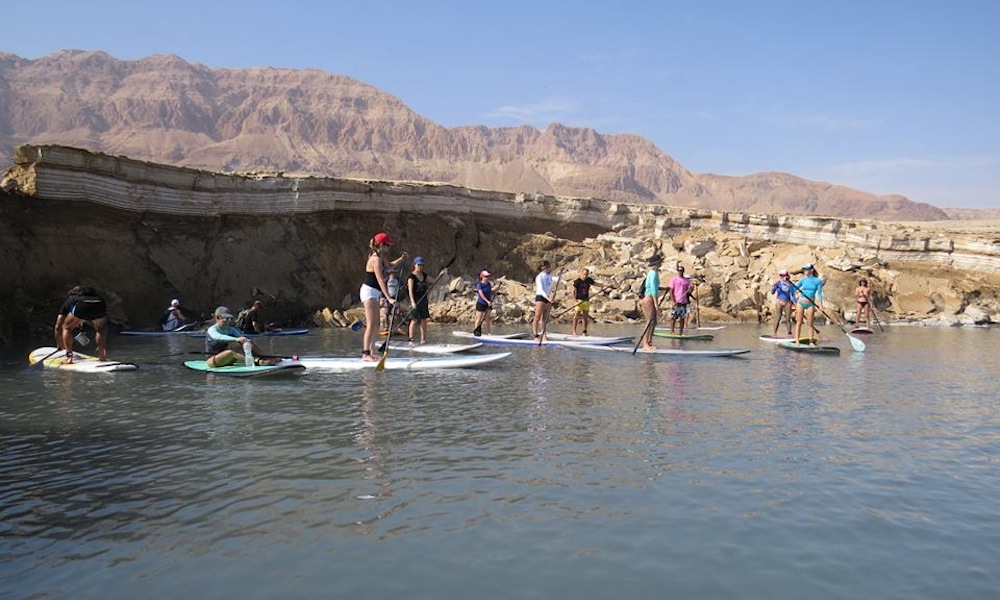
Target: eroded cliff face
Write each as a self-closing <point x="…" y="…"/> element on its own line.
<point x="144" y="233"/>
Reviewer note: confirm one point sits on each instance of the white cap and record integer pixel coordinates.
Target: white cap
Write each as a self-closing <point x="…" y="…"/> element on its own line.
<point x="175" y="302"/>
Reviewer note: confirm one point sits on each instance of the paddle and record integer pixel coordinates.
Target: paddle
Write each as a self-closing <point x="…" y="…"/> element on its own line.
<point x="875" y="314"/>
<point x="645" y="331"/>
<point x="385" y="346"/>
<point x="545" y="321"/>
<point x="856" y="344"/>
<point x="600" y="291"/>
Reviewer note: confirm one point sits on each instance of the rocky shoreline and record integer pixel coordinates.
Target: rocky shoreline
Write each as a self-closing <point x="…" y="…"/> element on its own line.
<point x="144" y="232"/>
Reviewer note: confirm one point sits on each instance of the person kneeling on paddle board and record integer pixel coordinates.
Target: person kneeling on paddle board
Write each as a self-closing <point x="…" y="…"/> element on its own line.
<point x="84" y="305"/>
<point x="225" y="343"/>
<point x="174" y="317"/>
<point x="810" y="288"/>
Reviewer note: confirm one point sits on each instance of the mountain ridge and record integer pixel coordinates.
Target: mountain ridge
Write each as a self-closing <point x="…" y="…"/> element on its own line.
<point x="164" y="109"/>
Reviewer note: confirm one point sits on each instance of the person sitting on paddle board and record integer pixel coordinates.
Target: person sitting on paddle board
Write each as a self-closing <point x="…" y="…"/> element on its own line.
<point x="650" y="291"/>
<point x="810" y="289"/>
<point x="863" y="294"/>
<point x="484" y="304"/>
<point x="374" y="288"/>
<point x="83" y="306"/>
<point x="248" y="320"/>
<point x="581" y="293"/>
<point x="418" y="284"/>
<point x="680" y="291"/>
<point x="224" y="342"/>
<point x="543" y="298"/>
<point x="784" y="300"/>
<point x="174" y="317"/>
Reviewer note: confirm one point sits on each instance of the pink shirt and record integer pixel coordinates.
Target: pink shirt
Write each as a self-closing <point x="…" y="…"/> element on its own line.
<point x="679" y="288"/>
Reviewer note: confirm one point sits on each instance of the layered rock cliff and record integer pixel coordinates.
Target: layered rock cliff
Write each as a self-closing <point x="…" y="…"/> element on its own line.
<point x="144" y="233"/>
<point x="164" y="109"/>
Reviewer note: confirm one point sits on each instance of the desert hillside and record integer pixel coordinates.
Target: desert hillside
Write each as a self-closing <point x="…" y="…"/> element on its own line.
<point x="166" y="110"/>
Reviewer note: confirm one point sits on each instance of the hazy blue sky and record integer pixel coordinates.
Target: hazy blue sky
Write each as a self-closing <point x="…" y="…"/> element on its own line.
<point x="886" y="96"/>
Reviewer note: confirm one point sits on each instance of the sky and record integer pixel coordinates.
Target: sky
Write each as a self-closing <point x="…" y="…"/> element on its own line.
<point x="886" y="96"/>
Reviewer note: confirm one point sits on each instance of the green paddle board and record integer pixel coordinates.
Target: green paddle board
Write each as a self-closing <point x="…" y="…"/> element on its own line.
<point x="240" y="370"/>
<point x="815" y="349"/>
<point x="687" y="336"/>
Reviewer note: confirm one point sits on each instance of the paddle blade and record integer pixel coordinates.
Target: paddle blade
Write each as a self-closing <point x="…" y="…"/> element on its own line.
<point x="857" y="344"/>
<point x="381" y="363"/>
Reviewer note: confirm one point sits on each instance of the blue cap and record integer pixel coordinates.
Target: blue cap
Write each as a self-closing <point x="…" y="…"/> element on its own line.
<point x="418" y="260"/>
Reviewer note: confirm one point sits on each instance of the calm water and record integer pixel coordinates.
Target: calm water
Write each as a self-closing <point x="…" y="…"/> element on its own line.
<point x="552" y="474"/>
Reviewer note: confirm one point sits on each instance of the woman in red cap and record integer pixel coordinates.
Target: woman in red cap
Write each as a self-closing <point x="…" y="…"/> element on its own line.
<point x="374" y="288"/>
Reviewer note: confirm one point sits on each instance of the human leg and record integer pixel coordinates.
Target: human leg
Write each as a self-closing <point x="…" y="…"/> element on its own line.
<point x="799" y="313"/>
<point x="101" y="337"/>
<point x="371" y="327"/>
<point x="536" y="324"/>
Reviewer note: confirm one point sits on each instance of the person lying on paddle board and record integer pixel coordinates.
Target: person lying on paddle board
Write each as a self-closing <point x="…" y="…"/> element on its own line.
<point x="810" y="289"/>
<point x="863" y="295"/>
<point x="375" y="288"/>
<point x="418" y="284"/>
<point x="680" y="291"/>
<point x="650" y="291"/>
<point x="543" y="298"/>
<point x="224" y="343"/>
<point x="174" y="317"/>
<point x="784" y="300"/>
<point x="83" y="306"/>
<point x="484" y="304"/>
<point x="581" y="293"/>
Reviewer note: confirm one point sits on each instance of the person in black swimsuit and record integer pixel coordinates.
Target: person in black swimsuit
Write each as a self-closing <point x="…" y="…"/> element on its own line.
<point x="83" y="306"/>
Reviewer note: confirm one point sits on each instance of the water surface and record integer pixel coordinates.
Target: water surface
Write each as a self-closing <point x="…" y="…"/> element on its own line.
<point x="553" y="473"/>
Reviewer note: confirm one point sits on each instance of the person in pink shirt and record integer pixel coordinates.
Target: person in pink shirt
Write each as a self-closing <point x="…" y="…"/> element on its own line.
<point x="680" y="292"/>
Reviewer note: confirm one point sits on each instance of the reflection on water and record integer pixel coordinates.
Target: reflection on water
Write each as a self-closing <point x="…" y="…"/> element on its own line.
<point x="553" y="473"/>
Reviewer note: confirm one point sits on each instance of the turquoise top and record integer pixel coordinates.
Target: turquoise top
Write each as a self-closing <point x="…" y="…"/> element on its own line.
<point x="652" y="283"/>
<point x="812" y="290"/>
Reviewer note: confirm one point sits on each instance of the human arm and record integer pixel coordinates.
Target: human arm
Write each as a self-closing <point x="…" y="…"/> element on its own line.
<point x="375" y="265"/>
<point x="225" y="334"/>
<point x="410" y="283"/>
<point x="393" y="263"/>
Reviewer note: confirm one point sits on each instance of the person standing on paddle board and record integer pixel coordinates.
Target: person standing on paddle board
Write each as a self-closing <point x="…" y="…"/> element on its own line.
<point x="418" y="284"/>
<point x="650" y="291"/>
<point x="84" y="305"/>
<point x="863" y="295"/>
<point x="484" y="304"/>
<point x="375" y="288"/>
<point x="680" y="291"/>
<point x="784" y="300"/>
<point x="581" y="293"/>
<point x="810" y="289"/>
<point x="224" y="342"/>
<point x="543" y="298"/>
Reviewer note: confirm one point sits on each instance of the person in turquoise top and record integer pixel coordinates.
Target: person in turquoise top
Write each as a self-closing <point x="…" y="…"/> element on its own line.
<point x="224" y="343"/>
<point x="651" y="289"/>
<point x="810" y="289"/>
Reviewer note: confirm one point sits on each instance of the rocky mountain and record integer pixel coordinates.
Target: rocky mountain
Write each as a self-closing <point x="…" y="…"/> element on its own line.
<point x="166" y="110"/>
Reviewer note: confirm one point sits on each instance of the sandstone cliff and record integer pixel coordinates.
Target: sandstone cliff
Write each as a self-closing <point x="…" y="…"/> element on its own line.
<point x="308" y="122"/>
<point x="144" y="233"/>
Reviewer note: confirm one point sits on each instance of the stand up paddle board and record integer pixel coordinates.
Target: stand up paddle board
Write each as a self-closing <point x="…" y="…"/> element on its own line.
<point x="275" y="333"/>
<point x="686" y="336"/>
<point x="665" y="351"/>
<point x="777" y="340"/>
<point x="810" y="348"/>
<point x="586" y="339"/>
<point x="240" y="370"/>
<point x="862" y="330"/>
<point x="509" y="341"/>
<point x="82" y="363"/>
<point x="405" y="363"/>
<point x="433" y="348"/>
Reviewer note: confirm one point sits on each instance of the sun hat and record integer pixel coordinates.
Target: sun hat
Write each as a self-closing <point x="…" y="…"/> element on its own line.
<point x="783" y="272"/>
<point x="223" y="312"/>
<point x="418" y="260"/>
<point x="382" y="238"/>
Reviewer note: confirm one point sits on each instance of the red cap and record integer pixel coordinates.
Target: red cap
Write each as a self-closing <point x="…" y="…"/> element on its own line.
<point x="383" y="238"/>
<point x="484" y="273"/>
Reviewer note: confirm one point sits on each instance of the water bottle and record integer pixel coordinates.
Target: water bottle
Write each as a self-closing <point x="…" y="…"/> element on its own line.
<point x="248" y="353"/>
